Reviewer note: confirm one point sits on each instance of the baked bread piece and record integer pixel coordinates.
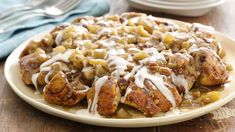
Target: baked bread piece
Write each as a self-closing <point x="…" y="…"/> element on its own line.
<point x="107" y="99"/>
<point x="137" y="98"/>
<point x="60" y="91"/>
<point x="133" y="59"/>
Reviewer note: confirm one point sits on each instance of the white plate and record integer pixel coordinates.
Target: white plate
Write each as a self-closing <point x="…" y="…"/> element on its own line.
<point x="181" y="0"/>
<point x="12" y="74"/>
<point x="192" y="11"/>
<point x="182" y="3"/>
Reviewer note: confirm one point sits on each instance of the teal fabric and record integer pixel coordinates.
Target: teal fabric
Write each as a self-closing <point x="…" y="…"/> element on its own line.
<point x="21" y="32"/>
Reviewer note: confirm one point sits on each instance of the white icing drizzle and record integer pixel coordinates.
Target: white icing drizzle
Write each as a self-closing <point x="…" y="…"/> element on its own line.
<point x="84" y="90"/>
<point x="46" y="69"/>
<point x="151" y="51"/>
<point x="153" y="58"/>
<point x="113" y="52"/>
<point x="109" y="43"/>
<point x="84" y="22"/>
<point x="130" y="36"/>
<point x="192" y="48"/>
<point x="89" y="103"/>
<point x="150" y="17"/>
<point x="81" y="30"/>
<point x="157" y="81"/>
<point x="203" y="28"/>
<point x="98" y="84"/>
<point x="115" y="63"/>
<point x="105" y="31"/>
<point x="64" y="57"/>
<point x="118" y="64"/>
<point x="155" y="55"/>
<point x="132" y="73"/>
<point x="105" y="23"/>
<point x="130" y="58"/>
<point x="43" y="54"/>
<point x="34" y="80"/>
<point x="134" y="20"/>
<point x="47" y="76"/>
<point x="179" y="80"/>
<point x="100" y="50"/>
<point x="180" y="35"/>
<point x="128" y="90"/>
<point x="35" y="76"/>
<point x="59" y="38"/>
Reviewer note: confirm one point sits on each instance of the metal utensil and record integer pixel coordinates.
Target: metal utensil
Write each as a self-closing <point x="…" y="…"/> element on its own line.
<point x="52" y="11"/>
<point x="30" y="4"/>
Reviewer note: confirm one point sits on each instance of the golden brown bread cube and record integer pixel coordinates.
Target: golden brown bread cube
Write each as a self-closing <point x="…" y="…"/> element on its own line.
<point x="161" y="100"/>
<point x="41" y="78"/>
<point x="163" y="70"/>
<point x="178" y="98"/>
<point x="59" y="91"/>
<point x="182" y="64"/>
<point x="140" y="100"/>
<point x="54" y="69"/>
<point x="108" y="97"/>
<point x="163" y="103"/>
<point x="211" y="67"/>
<point x="30" y="48"/>
<point x="29" y="65"/>
<point x="33" y="46"/>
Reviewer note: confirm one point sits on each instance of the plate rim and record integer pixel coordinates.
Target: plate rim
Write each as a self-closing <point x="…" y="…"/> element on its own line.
<point x="183" y="4"/>
<point x="219" y="2"/>
<point x="113" y="122"/>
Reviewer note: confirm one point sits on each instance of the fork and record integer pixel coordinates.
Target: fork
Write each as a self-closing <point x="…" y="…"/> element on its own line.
<point x="22" y="7"/>
<point x="52" y="11"/>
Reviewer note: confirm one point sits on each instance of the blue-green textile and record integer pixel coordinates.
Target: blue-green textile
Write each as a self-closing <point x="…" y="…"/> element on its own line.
<point x="19" y="33"/>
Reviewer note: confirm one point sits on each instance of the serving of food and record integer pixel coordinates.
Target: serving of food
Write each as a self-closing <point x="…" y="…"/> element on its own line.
<point x="120" y="65"/>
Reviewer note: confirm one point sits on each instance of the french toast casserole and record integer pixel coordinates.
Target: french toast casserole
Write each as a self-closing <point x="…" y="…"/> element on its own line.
<point x="132" y="60"/>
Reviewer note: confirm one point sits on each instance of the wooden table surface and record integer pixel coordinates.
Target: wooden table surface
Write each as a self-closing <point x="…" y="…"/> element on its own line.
<point x="16" y="115"/>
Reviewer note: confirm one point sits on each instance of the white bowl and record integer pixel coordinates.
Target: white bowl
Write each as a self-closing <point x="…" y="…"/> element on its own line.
<point x="192" y="11"/>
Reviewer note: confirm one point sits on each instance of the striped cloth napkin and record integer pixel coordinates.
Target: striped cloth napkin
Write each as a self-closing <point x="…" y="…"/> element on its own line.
<point x="21" y="32"/>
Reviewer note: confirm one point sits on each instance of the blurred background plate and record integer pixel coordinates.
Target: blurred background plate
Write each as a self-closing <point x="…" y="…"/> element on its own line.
<point x="182" y="3"/>
<point x="192" y="10"/>
<point x="181" y="0"/>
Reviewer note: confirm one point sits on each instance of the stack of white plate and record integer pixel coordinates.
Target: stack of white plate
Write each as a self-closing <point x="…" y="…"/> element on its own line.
<point x="178" y="7"/>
